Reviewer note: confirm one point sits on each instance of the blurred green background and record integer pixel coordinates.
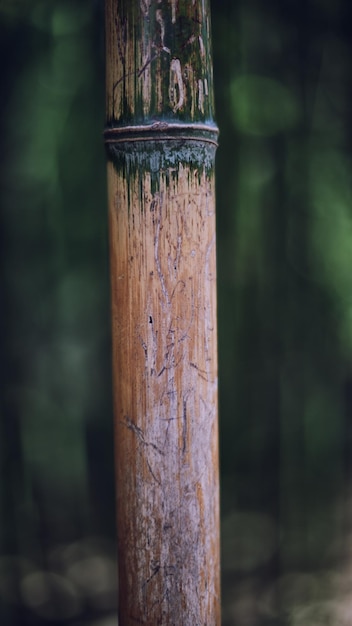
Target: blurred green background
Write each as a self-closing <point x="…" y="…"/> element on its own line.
<point x="284" y="206"/>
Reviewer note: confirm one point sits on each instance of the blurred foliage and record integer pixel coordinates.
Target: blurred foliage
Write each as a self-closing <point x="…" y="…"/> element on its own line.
<point x="56" y="431"/>
<point x="283" y="96"/>
<point x="262" y="106"/>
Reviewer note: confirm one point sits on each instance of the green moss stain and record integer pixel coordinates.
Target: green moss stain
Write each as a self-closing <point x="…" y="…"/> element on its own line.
<point x="161" y="158"/>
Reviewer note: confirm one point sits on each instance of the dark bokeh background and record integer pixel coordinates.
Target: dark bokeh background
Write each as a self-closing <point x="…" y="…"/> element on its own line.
<point x="284" y="203"/>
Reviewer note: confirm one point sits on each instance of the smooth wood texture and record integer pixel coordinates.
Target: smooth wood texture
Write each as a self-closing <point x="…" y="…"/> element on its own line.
<point x="163" y="285"/>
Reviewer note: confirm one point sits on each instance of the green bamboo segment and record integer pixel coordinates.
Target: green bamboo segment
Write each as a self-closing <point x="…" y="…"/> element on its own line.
<point x="159" y="61"/>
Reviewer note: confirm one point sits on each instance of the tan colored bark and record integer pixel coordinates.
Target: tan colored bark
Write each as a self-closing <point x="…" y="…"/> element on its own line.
<point x="165" y="390"/>
<point x="160" y="138"/>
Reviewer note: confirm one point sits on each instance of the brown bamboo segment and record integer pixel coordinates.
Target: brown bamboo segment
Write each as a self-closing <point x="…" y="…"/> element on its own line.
<point x="163" y="285"/>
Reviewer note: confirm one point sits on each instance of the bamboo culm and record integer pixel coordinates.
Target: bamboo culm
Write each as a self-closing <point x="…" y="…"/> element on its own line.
<point x="161" y="141"/>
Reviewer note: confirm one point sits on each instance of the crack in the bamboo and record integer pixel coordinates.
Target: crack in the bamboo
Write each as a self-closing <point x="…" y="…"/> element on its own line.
<point x="140" y="434"/>
<point x="184" y="425"/>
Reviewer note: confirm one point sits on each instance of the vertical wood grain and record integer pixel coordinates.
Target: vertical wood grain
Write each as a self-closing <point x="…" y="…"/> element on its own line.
<point x="163" y="286"/>
<point x="165" y="379"/>
<point x="159" y="60"/>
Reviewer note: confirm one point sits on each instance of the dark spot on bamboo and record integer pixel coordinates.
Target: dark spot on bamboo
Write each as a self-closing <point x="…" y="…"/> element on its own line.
<point x="184" y="425"/>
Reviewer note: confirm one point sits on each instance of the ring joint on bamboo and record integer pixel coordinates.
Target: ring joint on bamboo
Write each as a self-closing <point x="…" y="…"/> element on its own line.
<point x="160" y="146"/>
<point x="162" y="131"/>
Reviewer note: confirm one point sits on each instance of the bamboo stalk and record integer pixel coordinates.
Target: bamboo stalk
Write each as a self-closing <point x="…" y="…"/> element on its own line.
<point x="161" y="142"/>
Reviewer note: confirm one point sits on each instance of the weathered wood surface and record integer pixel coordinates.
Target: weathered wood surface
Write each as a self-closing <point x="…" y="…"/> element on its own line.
<point x="158" y="60"/>
<point x="163" y="283"/>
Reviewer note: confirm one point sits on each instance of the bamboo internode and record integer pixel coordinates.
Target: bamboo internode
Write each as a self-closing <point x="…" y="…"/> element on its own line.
<point x="161" y="142"/>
